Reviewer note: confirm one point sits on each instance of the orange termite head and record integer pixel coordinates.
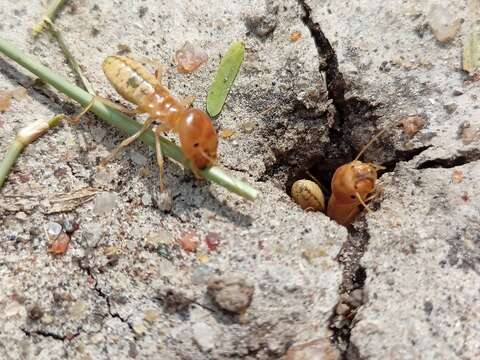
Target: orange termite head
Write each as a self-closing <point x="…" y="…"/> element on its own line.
<point x="352" y="178"/>
<point x="198" y="138"/>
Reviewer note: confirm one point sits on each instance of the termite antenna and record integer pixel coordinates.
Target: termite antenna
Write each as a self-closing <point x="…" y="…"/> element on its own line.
<point x="359" y="198"/>
<point x="370" y="143"/>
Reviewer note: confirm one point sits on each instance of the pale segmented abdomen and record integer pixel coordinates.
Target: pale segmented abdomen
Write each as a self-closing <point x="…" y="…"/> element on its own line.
<point x="131" y="80"/>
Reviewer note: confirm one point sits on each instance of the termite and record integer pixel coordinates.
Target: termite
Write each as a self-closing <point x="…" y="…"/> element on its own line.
<point x="198" y="138"/>
<point x="352" y="183"/>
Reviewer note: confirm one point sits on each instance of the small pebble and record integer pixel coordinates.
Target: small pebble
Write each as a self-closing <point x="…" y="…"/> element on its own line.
<point x="155" y="239"/>
<point x="21" y="216"/>
<point x="151" y="316"/>
<point x="457" y="92"/>
<point x="226" y="133"/>
<point x="105" y="203"/>
<point x="139" y="329"/>
<point x="147" y="199"/>
<point x="77" y="309"/>
<point x="112" y="254"/>
<point x="356" y="297"/>
<point x="47" y="319"/>
<point x="204" y="335"/>
<point x="189" y="242"/>
<point x="261" y="25"/>
<point x="319" y="349"/>
<point x="53" y="230"/>
<point x="123" y="49"/>
<point x="412" y="124"/>
<point x="468" y="133"/>
<point x="163" y="200"/>
<point x="132" y="350"/>
<point x="457" y="176"/>
<point x="450" y="108"/>
<point x="443" y="24"/>
<point x="35" y="313"/>
<point x="59" y="246"/>
<point x="295" y="36"/>
<point x="249" y="126"/>
<point x="212" y="240"/>
<point x="231" y="293"/>
<point x="189" y="58"/>
<point x="342" y="309"/>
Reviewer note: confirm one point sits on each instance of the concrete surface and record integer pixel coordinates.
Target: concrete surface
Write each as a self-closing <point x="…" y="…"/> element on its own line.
<point x="402" y="283"/>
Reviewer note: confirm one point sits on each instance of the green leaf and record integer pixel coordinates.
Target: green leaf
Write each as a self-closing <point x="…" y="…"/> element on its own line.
<point x="224" y="78"/>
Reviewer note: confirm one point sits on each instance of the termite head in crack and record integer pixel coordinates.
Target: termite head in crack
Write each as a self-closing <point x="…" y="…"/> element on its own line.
<point x="352" y="184"/>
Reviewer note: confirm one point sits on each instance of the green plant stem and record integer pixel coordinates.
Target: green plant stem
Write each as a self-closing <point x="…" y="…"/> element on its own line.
<point x="52" y="9"/>
<point x="9" y="160"/>
<point x="24" y="137"/>
<point x="122" y="122"/>
<point x="68" y="55"/>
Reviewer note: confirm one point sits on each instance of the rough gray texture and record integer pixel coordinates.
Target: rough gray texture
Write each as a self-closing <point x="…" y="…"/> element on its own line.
<point x="423" y="270"/>
<point x="126" y="289"/>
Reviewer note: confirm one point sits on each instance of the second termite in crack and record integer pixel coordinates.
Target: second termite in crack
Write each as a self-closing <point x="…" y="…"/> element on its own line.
<point x="352" y="187"/>
<point x="352" y="184"/>
<point x="198" y="138"/>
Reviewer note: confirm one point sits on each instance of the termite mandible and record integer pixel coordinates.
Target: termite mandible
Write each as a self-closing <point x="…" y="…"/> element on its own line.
<point x="198" y="138"/>
<point x="352" y="183"/>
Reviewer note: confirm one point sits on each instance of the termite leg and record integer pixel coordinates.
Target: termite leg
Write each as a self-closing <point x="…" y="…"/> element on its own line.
<point x="107" y="102"/>
<point x="158" y="150"/>
<point x="127" y="141"/>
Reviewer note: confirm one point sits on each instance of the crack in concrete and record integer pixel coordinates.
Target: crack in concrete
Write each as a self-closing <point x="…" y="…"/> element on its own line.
<point x="463" y="158"/>
<point x="328" y="60"/>
<point x="100" y="293"/>
<point x="353" y="276"/>
<point x="51" y="335"/>
<point x="342" y="320"/>
<point x="403" y="155"/>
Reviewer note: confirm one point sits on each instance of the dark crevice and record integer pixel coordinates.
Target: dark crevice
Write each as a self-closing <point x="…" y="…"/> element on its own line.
<point x="100" y="293"/>
<point x="109" y="306"/>
<point x="336" y="88"/>
<point x="342" y="151"/>
<point x="462" y="159"/>
<point x="351" y="291"/>
<point x="404" y="155"/>
<point x="51" y="335"/>
<point x="342" y="122"/>
<point x="328" y="60"/>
